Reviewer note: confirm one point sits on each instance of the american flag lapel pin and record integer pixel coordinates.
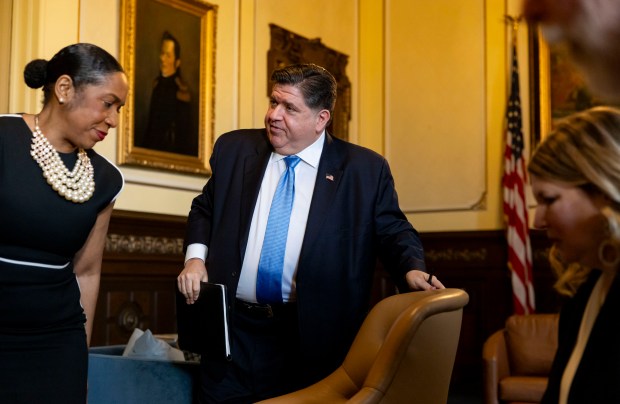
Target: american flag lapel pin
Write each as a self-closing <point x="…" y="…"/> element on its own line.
<point x="329" y="177"/>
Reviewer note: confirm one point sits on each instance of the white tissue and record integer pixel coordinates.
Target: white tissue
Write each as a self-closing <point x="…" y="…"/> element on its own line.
<point x="143" y="345"/>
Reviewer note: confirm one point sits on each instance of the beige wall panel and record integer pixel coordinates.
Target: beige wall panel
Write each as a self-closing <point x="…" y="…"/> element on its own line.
<point x="442" y="86"/>
<point x="371" y="73"/>
<point x="40" y="29"/>
<point x="496" y="70"/>
<point x="6" y="13"/>
<point x="334" y="22"/>
<point x="435" y="109"/>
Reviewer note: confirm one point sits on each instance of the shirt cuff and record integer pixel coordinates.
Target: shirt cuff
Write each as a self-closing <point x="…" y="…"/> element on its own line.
<point x="196" y="250"/>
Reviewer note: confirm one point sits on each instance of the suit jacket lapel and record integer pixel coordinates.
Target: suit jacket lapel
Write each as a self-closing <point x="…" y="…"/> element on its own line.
<point x="253" y="171"/>
<point x="328" y="179"/>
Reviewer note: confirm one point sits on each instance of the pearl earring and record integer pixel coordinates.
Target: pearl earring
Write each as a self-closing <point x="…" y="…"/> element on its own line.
<point x="61" y="100"/>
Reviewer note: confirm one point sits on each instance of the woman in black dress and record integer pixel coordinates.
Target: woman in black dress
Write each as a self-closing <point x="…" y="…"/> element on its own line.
<point x="575" y="177"/>
<point x="56" y="199"/>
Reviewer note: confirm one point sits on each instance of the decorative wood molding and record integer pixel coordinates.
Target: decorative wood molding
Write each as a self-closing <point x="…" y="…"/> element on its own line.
<point x="289" y="48"/>
<point x="121" y="243"/>
<point x="130" y="316"/>
<point x="452" y="254"/>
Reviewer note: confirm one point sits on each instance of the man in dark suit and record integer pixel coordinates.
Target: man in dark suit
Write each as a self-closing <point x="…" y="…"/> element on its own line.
<point x="344" y="216"/>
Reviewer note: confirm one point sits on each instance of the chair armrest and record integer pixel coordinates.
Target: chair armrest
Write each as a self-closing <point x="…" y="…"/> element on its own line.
<point x="495" y="365"/>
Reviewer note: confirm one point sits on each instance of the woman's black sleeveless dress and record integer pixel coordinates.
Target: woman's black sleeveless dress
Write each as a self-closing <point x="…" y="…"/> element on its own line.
<point x="43" y="351"/>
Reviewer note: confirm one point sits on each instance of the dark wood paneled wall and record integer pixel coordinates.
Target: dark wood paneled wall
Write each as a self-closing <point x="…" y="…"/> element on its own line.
<point x="476" y="261"/>
<point x="142" y="259"/>
<point x="144" y="255"/>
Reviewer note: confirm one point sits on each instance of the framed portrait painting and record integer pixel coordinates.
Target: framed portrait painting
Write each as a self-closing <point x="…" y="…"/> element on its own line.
<point x="557" y="87"/>
<point x="168" y="52"/>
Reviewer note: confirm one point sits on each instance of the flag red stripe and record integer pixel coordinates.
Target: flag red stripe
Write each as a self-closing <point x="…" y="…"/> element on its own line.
<point x="515" y="206"/>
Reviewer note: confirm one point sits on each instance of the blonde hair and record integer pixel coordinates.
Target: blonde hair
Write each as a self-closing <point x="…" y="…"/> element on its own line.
<point x="582" y="151"/>
<point x="569" y="275"/>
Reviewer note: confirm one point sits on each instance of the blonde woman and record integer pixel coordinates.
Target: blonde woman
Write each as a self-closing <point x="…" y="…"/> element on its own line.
<point x="575" y="176"/>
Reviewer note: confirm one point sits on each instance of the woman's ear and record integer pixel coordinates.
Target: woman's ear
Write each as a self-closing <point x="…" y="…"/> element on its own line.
<point x="64" y="89"/>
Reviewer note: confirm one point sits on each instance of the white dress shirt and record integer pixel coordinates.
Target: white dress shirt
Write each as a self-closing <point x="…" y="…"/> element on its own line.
<point x="305" y="178"/>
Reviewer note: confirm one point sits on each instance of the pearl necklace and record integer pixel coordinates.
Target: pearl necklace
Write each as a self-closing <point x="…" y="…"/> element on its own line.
<point x="78" y="185"/>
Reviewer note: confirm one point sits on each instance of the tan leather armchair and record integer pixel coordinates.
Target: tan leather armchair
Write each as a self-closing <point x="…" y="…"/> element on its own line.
<point x="404" y="352"/>
<point x="517" y="359"/>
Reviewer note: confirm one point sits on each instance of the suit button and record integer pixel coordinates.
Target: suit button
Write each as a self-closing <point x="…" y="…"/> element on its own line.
<point x="234" y="274"/>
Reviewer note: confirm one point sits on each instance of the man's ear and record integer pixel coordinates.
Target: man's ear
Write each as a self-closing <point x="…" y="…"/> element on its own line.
<point x="64" y="89"/>
<point x="322" y="120"/>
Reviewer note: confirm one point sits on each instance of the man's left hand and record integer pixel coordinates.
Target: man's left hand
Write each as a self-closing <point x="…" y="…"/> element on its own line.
<point x="418" y="280"/>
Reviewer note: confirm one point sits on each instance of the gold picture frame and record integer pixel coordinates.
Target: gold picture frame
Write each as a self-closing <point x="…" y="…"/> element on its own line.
<point x="156" y="101"/>
<point x="557" y="88"/>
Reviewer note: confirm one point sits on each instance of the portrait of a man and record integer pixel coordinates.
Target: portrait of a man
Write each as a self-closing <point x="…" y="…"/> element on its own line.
<point x="168" y="52"/>
<point x="169" y="126"/>
<point x="167" y="80"/>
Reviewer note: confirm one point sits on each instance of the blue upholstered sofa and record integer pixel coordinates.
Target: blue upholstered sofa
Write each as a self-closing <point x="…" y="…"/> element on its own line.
<point x="113" y="378"/>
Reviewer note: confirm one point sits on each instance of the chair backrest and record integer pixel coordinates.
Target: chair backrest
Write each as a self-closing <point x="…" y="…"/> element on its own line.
<point x="405" y="350"/>
<point x="531" y="342"/>
<point x="517" y="359"/>
<point x="403" y="353"/>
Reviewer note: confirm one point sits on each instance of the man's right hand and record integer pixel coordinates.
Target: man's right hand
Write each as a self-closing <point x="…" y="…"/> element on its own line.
<point x="189" y="279"/>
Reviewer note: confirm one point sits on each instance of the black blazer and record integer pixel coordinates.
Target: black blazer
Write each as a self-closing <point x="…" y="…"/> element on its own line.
<point x="597" y="379"/>
<point x="354" y="219"/>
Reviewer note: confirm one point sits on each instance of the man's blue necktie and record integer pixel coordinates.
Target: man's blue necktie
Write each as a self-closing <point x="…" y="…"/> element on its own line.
<point x="269" y="280"/>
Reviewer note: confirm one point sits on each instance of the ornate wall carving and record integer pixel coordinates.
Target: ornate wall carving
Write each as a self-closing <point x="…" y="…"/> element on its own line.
<point x="288" y="48"/>
<point x="129" y="243"/>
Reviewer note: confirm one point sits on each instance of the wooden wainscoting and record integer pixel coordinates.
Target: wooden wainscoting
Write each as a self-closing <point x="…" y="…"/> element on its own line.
<point x="476" y="262"/>
<point x="144" y="255"/>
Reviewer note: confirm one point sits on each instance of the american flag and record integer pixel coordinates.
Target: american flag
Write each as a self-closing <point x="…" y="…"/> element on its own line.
<point x="515" y="207"/>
